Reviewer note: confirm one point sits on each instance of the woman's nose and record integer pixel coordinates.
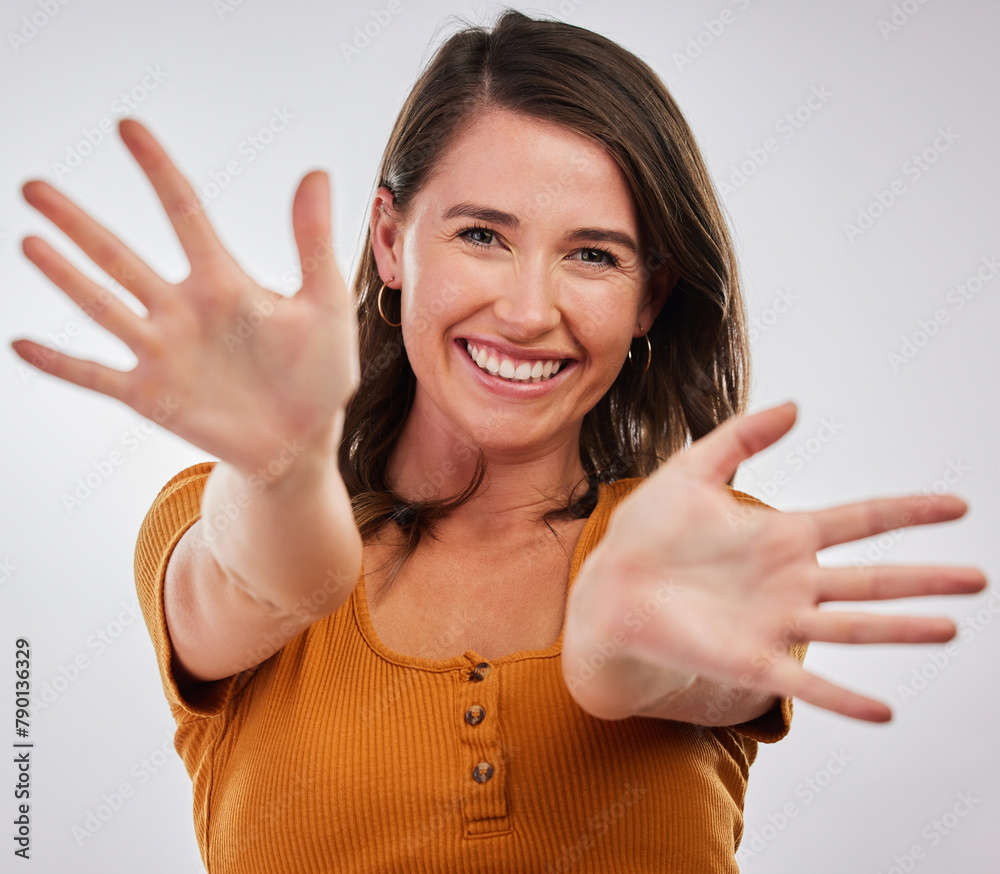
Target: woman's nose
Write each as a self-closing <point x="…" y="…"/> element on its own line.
<point x="528" y="307"/>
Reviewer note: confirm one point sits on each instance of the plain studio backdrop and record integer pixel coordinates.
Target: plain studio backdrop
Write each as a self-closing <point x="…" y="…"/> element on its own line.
<point x="854" y="147"/>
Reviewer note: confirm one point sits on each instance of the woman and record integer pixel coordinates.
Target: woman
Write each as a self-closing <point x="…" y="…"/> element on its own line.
<point x="397" y="622"/>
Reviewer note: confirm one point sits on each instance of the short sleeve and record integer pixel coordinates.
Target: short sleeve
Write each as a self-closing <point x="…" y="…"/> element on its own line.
<point x="176" y="508"/>
<point x="773" y="725"/>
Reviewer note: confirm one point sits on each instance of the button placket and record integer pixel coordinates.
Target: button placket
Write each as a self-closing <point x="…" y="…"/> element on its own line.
<point x="483" y="772"/>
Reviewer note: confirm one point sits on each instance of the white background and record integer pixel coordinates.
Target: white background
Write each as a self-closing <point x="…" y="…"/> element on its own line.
<point x="830" y="309"/>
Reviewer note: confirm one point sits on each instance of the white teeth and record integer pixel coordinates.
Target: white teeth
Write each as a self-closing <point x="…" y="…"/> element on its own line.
<point x="505" y="368"/>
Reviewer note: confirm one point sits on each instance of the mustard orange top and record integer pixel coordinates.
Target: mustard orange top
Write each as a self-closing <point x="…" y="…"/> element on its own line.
<point x="337" y="754"/>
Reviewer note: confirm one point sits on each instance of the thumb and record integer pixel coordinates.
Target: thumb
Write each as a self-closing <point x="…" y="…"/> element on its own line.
<point x="716" y="456"/>
<point x="311" y="223"/>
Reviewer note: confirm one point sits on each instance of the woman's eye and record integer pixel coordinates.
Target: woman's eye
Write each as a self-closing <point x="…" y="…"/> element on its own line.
<point x="598" y="256"/>
<point x="483" y="236"/>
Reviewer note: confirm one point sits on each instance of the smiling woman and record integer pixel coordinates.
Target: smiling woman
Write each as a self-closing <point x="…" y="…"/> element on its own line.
<point x="527" y="294"/>
<point x="454" y="598"/>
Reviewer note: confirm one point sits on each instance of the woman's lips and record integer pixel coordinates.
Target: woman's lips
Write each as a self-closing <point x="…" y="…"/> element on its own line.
<point x="514" y="369"/>
<point x="531" y="387"/>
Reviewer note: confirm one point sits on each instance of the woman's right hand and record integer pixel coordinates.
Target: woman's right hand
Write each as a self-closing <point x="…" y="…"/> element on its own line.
<point x="238" y="370"/>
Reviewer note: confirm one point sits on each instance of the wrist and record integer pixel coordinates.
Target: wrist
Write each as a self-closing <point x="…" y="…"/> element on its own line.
<point x="610" y="682"/>
<point x="291" y="460"/>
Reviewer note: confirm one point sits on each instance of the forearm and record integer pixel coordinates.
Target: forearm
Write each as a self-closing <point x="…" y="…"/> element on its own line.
<point x="285" y="533"/>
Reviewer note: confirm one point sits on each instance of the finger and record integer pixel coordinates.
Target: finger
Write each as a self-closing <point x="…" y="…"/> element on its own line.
<point x="311" y="224"/>
<point x="716" y="456"/>
<point x="847" y="627"/>
<point x="100" y="245"/>
<point x="96" y="302"/>
<point x="788" y="677"/>
<point x="879" y="583"/>
<point x="866" y="518"/>
<point x="185" y="211"/>
<point x="79" y="371"/>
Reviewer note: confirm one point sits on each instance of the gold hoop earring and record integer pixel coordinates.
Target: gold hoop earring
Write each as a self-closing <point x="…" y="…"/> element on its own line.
<point x="649" y="352"/>
<point x="382" y="314"/>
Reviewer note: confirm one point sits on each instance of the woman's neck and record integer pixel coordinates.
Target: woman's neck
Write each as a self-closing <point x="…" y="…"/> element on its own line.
<point x="522" y="483"/>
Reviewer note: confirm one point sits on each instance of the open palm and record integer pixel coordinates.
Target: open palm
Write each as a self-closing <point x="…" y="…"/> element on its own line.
<point x="739" y="584"/>
<point x="236" y="369"/>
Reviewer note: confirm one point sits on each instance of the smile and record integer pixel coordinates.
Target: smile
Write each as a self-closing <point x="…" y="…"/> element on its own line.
<point x="512" y="369"/>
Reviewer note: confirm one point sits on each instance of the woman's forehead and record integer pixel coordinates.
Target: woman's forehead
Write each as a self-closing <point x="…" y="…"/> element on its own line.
<point x="528" y="167"/>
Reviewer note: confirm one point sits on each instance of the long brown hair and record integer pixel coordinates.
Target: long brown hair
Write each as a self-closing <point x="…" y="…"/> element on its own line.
<point x="699" y="367"/>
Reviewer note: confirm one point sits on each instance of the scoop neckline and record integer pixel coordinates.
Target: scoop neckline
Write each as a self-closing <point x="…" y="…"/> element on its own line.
<point x="359" y="602"/>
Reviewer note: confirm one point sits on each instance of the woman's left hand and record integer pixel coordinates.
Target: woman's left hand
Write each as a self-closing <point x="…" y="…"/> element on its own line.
<point x="689" y="582"/>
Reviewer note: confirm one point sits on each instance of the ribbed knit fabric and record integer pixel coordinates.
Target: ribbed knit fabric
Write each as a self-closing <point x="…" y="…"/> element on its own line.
<point x="338" y="755"/>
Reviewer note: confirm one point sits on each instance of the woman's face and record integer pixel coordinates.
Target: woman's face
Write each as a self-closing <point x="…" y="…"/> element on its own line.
<point x="525" y="245"/>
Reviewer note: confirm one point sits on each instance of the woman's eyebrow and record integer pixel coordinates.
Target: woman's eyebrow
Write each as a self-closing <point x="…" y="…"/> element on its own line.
<point x="509" y="220"/>
<point x="484" y="213"/>
<point x="603" y="235"/>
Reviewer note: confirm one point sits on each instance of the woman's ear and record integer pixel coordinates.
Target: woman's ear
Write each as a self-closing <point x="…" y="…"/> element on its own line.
<point x="386" y="236"/>
<point x="661" y="283"/>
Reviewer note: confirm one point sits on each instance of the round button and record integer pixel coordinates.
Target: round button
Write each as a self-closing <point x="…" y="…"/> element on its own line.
<point x="480" y="672"/>
<point x="482" y="772"/>
<point x="475" y="714"/>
